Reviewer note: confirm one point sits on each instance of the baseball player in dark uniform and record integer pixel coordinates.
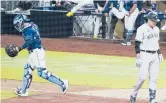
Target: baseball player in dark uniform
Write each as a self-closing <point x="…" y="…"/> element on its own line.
<point x="32" y="43"/>
<point x="114" y="18"/>
<point x="131" y="14"/>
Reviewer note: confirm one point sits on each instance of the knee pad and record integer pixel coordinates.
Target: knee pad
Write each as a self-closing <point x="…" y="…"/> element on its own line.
<point x="42" y="72"/>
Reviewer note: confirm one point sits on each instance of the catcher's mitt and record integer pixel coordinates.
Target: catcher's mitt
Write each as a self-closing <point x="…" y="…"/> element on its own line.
<point x="11" y="50"/>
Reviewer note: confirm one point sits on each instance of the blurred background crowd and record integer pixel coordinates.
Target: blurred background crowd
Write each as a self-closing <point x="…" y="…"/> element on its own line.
<point x="116" y="27"/>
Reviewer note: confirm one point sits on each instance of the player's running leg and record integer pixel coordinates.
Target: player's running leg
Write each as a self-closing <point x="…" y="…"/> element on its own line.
<point x="42" y="72"/>
<point x="27" y="79"/>
<point x="39" y="54"/>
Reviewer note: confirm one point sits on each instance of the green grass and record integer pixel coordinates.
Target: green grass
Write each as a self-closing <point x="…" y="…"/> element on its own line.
<point x="83" y="69"/>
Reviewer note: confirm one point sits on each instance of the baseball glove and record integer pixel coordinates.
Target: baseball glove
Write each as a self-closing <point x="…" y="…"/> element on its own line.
<point x="11" y="50"/>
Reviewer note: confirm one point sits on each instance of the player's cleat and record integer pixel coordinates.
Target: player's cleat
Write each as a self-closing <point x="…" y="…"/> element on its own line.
<point x="126" y="43"/>
<point x="107" y="37"/>
<point x="164" y="27"/>
<point x="69" y="14"/>
<point x="132" y="99"/>
<point x="95" y="36"/>
<point x="152" y="95"/>
<point x="65" y="86"/>
<point x="153" y="101"/>
<point x="19" y="92"/>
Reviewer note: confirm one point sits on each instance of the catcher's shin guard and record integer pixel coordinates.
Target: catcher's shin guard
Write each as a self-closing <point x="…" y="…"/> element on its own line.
<point x="42" y="72"/>
<point x="27" y="79"/>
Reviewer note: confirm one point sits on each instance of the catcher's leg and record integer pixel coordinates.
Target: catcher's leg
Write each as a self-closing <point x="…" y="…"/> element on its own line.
<point x="39" y="62"/>
<point x="42" y="72"/>
<point x="27" y="79"/>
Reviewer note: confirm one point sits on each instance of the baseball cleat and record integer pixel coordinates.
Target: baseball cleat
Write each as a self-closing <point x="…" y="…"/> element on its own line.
<point x="64" y="87"/>
<point x="132" y="99"/>
<point x="164" y="27"/>
<point x="126" y="43"/>
<point x="19" y="92"/>
<point x="153" y="101"/>
<point x="95" y="36"/>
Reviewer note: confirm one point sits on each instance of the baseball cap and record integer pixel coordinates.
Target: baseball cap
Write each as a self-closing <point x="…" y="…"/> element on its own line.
<point x="153" y="17"/>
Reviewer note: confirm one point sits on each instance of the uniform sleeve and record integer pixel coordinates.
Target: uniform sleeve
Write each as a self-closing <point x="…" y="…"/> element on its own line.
<point x="134" y="1"/>
<point x="139" y="34"/>
<point x="107" y="7"/>
<point x="28" y="37"/>
<point x="158" y="31"/>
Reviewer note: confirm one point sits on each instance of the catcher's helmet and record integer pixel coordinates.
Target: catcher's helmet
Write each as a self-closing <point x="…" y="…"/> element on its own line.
<point x="19" y="20"/>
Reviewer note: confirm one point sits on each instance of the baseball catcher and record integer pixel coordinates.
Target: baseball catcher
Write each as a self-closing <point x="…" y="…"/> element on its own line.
<point x="32" y="42"/>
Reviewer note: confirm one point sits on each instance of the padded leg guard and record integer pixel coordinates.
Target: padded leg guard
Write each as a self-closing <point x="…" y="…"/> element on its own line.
<point x="129" y="35"/>
<point x="42" y="72"/>
<point x="152" y="95"/>
<point x="27" y="79"/>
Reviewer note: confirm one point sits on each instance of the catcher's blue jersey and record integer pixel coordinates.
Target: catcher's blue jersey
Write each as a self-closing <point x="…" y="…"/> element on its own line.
<point x="115" y="4"/>
<point x="128" y="4"/>
<point x="31" y="37"/>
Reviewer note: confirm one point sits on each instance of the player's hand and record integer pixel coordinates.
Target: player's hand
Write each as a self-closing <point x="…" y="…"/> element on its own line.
<point x="106" y="14"/>
<point x="58" y="4"/>
<point x="69" y="14"/>
<point x="161" y="58"/>
<point x="127" y="14"/>
<point x="18" y="49"/>
<point x="138" y="61"/>
<point x="97" y="11"/>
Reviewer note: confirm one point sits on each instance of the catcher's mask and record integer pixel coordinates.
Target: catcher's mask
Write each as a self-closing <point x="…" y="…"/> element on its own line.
<point x="19" y="21"/>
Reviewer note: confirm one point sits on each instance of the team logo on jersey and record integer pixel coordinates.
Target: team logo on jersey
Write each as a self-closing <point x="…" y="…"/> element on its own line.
<point x="152" y="35"/>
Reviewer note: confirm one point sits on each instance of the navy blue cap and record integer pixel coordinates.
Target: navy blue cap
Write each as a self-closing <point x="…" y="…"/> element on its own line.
<point x="153" y="17"/>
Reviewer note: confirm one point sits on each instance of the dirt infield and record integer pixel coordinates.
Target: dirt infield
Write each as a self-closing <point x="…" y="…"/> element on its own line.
<point x="49" y="92"/>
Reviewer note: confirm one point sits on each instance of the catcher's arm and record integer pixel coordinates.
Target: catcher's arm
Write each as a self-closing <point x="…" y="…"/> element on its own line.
<point x="28" y="40"/>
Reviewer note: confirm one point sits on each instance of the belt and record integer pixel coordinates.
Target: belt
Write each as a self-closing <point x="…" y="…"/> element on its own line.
<point x="148" y="51"/>
<point x="30" y="51"/>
